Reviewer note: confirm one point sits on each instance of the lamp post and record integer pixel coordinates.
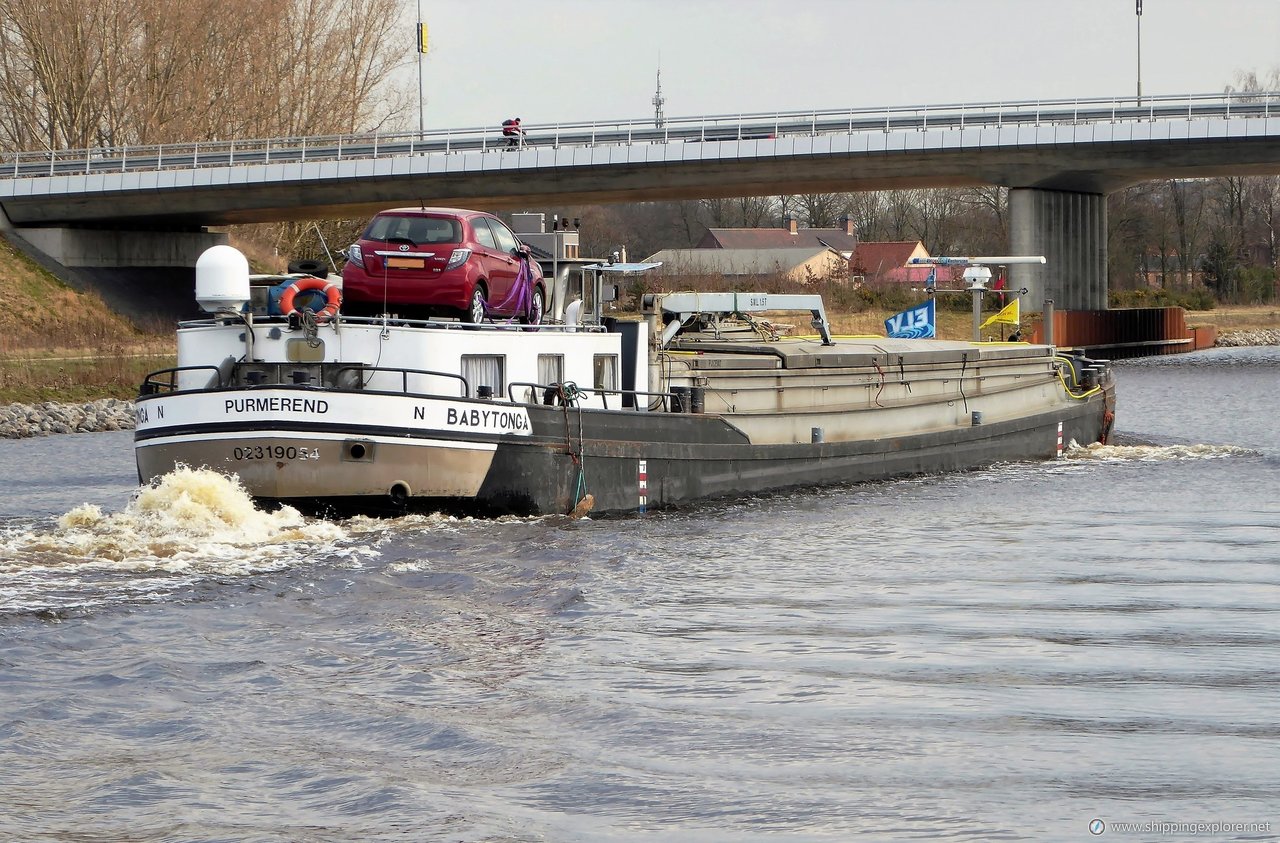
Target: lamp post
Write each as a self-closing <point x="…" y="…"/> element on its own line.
<point x="421" y="32"/>
<point x="1139" y="10"/>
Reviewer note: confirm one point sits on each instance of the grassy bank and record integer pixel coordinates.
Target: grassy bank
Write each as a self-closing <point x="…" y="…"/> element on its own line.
<point x="57" y="344"/>
<point x="32" y="380"/>
<point x="1228" y="318"/>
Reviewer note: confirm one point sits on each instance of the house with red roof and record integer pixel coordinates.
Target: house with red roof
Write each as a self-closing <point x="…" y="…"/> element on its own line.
<point x="868" y="262"/>
<point x="888" y="262"/>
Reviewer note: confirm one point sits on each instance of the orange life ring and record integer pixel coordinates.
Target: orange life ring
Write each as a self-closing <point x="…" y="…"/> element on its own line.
<point x="331" y="292"/>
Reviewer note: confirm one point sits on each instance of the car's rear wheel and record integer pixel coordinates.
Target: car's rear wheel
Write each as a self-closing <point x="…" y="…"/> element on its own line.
<point x="476" y="309"/>
<point x="533" y="316"/>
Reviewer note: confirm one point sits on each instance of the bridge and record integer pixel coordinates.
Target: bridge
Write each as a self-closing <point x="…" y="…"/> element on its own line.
<point x="148" y="206"/>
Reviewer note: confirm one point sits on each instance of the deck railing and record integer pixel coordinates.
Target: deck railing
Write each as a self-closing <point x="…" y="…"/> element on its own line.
<point x="554" y="394"/>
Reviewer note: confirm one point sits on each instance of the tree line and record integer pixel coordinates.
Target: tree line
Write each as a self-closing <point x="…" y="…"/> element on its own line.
<point x="134" y="72"/>
<point x="1175" y="237"/>
<point x="105" y="73"/>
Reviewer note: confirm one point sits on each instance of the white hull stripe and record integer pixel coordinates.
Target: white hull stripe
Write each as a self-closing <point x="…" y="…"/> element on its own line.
<point x="247" y="409"/>
<point x="214" y="438"/>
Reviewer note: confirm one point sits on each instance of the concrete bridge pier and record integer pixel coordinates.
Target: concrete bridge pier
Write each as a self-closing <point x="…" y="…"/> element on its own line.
<point x="1070" y="230"/>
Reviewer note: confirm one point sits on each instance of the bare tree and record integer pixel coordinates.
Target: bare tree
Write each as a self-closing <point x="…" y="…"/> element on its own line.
<point x="1230" y="195"/>
<point x="757" y="211"/>
<point x="821" y="210"/>
<point x="115" y="72"/>
<point x="938" y="219"/>
<point x="51" y="71"/>
<point x="1267" y="204"/>
<point x="720" y="213"/>
<point x="689" y="222"/>
<point x="786" y="205"/>
<point x="1128" y="232"/>
<point x="1186" y="205"/>
<point x="868" y="212"/>
<point x="899" y="213"/>
<point x="738" y="212"/>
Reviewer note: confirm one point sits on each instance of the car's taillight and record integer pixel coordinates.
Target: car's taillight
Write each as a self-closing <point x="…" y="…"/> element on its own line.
<point x="457" y="259"/>
<point x="353" y="253"/>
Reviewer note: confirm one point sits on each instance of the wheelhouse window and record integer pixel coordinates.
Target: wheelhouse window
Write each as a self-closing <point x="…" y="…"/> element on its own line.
<point x="550" y="368"/>
<point x="550" y="371"/>
<point x="485" y="370"/>
<point x="606" y="371"/>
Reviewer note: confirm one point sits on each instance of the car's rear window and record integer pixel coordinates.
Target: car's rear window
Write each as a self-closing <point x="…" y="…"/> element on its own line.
<point x="415" y="228"/>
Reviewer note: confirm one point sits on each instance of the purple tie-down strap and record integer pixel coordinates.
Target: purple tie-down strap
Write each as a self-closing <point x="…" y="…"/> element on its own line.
<point x="521" y="292"/>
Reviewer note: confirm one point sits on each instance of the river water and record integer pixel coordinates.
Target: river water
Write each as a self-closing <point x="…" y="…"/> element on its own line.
<point x="1008" y="654"/>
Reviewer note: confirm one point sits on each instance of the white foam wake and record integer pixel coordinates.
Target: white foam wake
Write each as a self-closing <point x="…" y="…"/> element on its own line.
<point x="190" y="521"/>
<point x="1154" y="453"/>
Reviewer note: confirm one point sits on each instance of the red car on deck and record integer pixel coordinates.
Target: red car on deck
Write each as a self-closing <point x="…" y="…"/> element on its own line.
<point x="420" y="262"/>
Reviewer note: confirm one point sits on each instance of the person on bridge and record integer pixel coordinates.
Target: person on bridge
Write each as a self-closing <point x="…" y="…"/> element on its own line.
<point x="513" y="133"/>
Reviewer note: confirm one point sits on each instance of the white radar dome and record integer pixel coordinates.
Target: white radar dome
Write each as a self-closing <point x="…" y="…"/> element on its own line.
<point x="222" y="279"/>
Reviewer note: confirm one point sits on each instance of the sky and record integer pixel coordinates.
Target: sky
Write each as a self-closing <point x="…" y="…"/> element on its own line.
<point x="550" y="61"/>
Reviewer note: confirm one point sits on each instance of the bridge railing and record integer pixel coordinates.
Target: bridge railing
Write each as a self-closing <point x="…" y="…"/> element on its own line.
<point x="700" y="129"/>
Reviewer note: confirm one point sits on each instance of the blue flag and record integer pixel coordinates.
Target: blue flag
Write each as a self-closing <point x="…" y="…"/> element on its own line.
<point x="932" y="280"/>
<point x="915" y="323"/>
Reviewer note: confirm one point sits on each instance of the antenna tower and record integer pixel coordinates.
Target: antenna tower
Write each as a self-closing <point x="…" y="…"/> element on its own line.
<point x="658" y="117"/>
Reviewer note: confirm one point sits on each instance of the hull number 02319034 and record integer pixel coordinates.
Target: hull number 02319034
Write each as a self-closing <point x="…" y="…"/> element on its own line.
<point x="274" y="452"/>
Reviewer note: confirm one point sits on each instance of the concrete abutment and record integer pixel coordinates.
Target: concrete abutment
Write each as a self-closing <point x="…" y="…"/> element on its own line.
<point x="89" y="247"/>
<point x="146" y="276"/>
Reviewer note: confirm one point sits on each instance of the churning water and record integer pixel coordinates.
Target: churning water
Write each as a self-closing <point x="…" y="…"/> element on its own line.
<point x="1005" y="654"/>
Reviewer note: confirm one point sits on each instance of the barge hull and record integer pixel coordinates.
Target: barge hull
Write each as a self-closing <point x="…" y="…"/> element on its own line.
<point x="627" y="461"/>
<point x="532" y="480"/>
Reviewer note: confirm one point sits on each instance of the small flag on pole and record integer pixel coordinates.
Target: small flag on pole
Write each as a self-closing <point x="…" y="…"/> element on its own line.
<point x="914" y="323"/>
<point x="1010" y="314"/>
<point x="422" y="38"/>
<point x="932" y="280"/>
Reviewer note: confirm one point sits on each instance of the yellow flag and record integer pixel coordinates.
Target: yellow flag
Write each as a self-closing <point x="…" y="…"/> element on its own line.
<point x="422" y="37"/>
<point x="1008" y="315"/>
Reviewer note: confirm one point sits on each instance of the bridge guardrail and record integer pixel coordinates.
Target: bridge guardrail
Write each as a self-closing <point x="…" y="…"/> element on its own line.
<point x="711" y="128"/>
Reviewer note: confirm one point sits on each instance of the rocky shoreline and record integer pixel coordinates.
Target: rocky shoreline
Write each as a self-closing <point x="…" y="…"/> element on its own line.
<point x="20" y="421"/>
<point x="1236" y="339"/>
